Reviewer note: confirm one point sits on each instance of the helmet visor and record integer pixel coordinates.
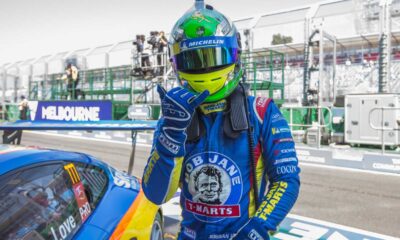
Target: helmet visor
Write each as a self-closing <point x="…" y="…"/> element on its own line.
<point x="202" y="54"/>
<point x="205" y="58"/>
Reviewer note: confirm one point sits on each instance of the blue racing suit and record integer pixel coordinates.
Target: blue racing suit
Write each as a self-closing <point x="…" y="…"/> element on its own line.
<point x="214" y="174"/>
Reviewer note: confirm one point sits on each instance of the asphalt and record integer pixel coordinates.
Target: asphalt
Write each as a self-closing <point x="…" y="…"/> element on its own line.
<point x="356" y="199"/>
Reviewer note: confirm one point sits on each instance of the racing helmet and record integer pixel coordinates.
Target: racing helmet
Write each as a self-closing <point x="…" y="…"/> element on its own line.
<point x="204" y="50"/>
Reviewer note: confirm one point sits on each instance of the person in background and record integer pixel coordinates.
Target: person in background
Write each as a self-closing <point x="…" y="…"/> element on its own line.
<point x="147" y="51"/>
<point x="72" y="77"/>
<point x="162" y="43"/>
<point x="23" y="108"/>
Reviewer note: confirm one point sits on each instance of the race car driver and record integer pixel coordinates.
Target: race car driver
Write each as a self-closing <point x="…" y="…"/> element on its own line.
<point x="232" y="155"/>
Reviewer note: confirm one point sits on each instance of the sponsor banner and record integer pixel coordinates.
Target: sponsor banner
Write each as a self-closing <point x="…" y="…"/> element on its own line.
<point x="385" y="166"/>
<point x="382" y="163"/>
<point x="70" y="111"/>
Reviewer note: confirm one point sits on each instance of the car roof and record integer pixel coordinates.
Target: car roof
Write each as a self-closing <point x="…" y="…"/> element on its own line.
<point x="14" y="157"/>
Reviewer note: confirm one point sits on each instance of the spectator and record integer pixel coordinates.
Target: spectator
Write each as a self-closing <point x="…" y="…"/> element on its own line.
<point x="162" y="42"/>
<point x="72" y="77"/>
<point x="23" y="108"/>
<point x="147" y="51"/>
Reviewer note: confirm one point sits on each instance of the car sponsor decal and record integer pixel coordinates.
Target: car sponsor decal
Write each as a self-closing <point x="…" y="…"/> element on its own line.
<point x="64" y="229"/>
<point x="81" y="200"/>
<point x="122" y="179"/>
<point x="73" y="173"/>
<point x="213" y="187"/>
<point x="79" y="192"/>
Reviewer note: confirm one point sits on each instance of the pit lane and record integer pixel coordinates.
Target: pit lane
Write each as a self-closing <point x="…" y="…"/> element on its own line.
<point x="352" y="198"/>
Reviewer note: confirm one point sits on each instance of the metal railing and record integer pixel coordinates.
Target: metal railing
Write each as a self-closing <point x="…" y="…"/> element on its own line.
<point x="319" y="125"/>
<point x="383" y="127"/>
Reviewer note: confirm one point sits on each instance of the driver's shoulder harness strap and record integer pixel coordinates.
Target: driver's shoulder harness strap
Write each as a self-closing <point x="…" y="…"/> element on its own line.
<point x="235" y="120"/>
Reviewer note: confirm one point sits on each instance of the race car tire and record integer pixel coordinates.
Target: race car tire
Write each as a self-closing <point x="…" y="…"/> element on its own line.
<point x="157" y="229"/>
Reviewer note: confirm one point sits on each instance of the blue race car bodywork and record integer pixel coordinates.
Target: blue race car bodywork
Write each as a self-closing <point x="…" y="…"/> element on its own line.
<point x="105" y="210"/>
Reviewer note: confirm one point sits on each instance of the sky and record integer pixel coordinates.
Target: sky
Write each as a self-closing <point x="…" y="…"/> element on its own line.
<point x="29" y="29"/>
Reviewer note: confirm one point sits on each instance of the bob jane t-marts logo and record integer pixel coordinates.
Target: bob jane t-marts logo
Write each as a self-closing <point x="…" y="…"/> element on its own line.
<point x="213" y="187"/>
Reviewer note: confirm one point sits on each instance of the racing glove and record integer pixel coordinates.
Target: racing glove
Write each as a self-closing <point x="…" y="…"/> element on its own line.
<point x="252" y="230"/>
<point x="178" y="106"/>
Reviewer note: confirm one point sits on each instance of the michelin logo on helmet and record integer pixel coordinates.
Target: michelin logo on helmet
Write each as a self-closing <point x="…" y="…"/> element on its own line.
<point x="208" y="42"/>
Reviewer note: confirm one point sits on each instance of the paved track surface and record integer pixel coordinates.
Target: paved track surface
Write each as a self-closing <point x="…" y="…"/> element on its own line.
<point x="361" y="200"/>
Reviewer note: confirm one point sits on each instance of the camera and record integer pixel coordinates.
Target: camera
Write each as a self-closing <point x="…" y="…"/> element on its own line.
<point x="137" y="40"/>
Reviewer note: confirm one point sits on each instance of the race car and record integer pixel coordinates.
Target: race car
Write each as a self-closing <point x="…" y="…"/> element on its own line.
<point x="51" y="194"/>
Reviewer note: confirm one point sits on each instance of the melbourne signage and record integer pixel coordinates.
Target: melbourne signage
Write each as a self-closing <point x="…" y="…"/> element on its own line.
<point x="70" y="111"/>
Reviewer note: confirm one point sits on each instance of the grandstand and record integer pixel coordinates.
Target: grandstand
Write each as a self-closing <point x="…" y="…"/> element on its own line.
<point x="356" y="65"/>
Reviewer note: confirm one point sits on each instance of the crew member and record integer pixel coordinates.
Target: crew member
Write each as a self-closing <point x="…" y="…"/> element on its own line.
<point x="23" y="107"/>
<point x="72" y="77"/>
<point x="220" y="146"/>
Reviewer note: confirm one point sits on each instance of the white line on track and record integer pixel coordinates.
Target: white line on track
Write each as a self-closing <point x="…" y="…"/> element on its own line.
<point x="149" y="146"/>
<point x="345" y="228"/>
<point x="349" y="169"/>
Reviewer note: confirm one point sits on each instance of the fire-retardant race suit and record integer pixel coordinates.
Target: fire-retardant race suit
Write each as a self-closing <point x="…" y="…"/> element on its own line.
<point x="212" y="164"/>
<point x="217" y="207"/>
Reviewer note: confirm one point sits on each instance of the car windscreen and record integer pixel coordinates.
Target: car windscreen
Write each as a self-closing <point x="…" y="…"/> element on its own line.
<point x="38" y="203"/>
